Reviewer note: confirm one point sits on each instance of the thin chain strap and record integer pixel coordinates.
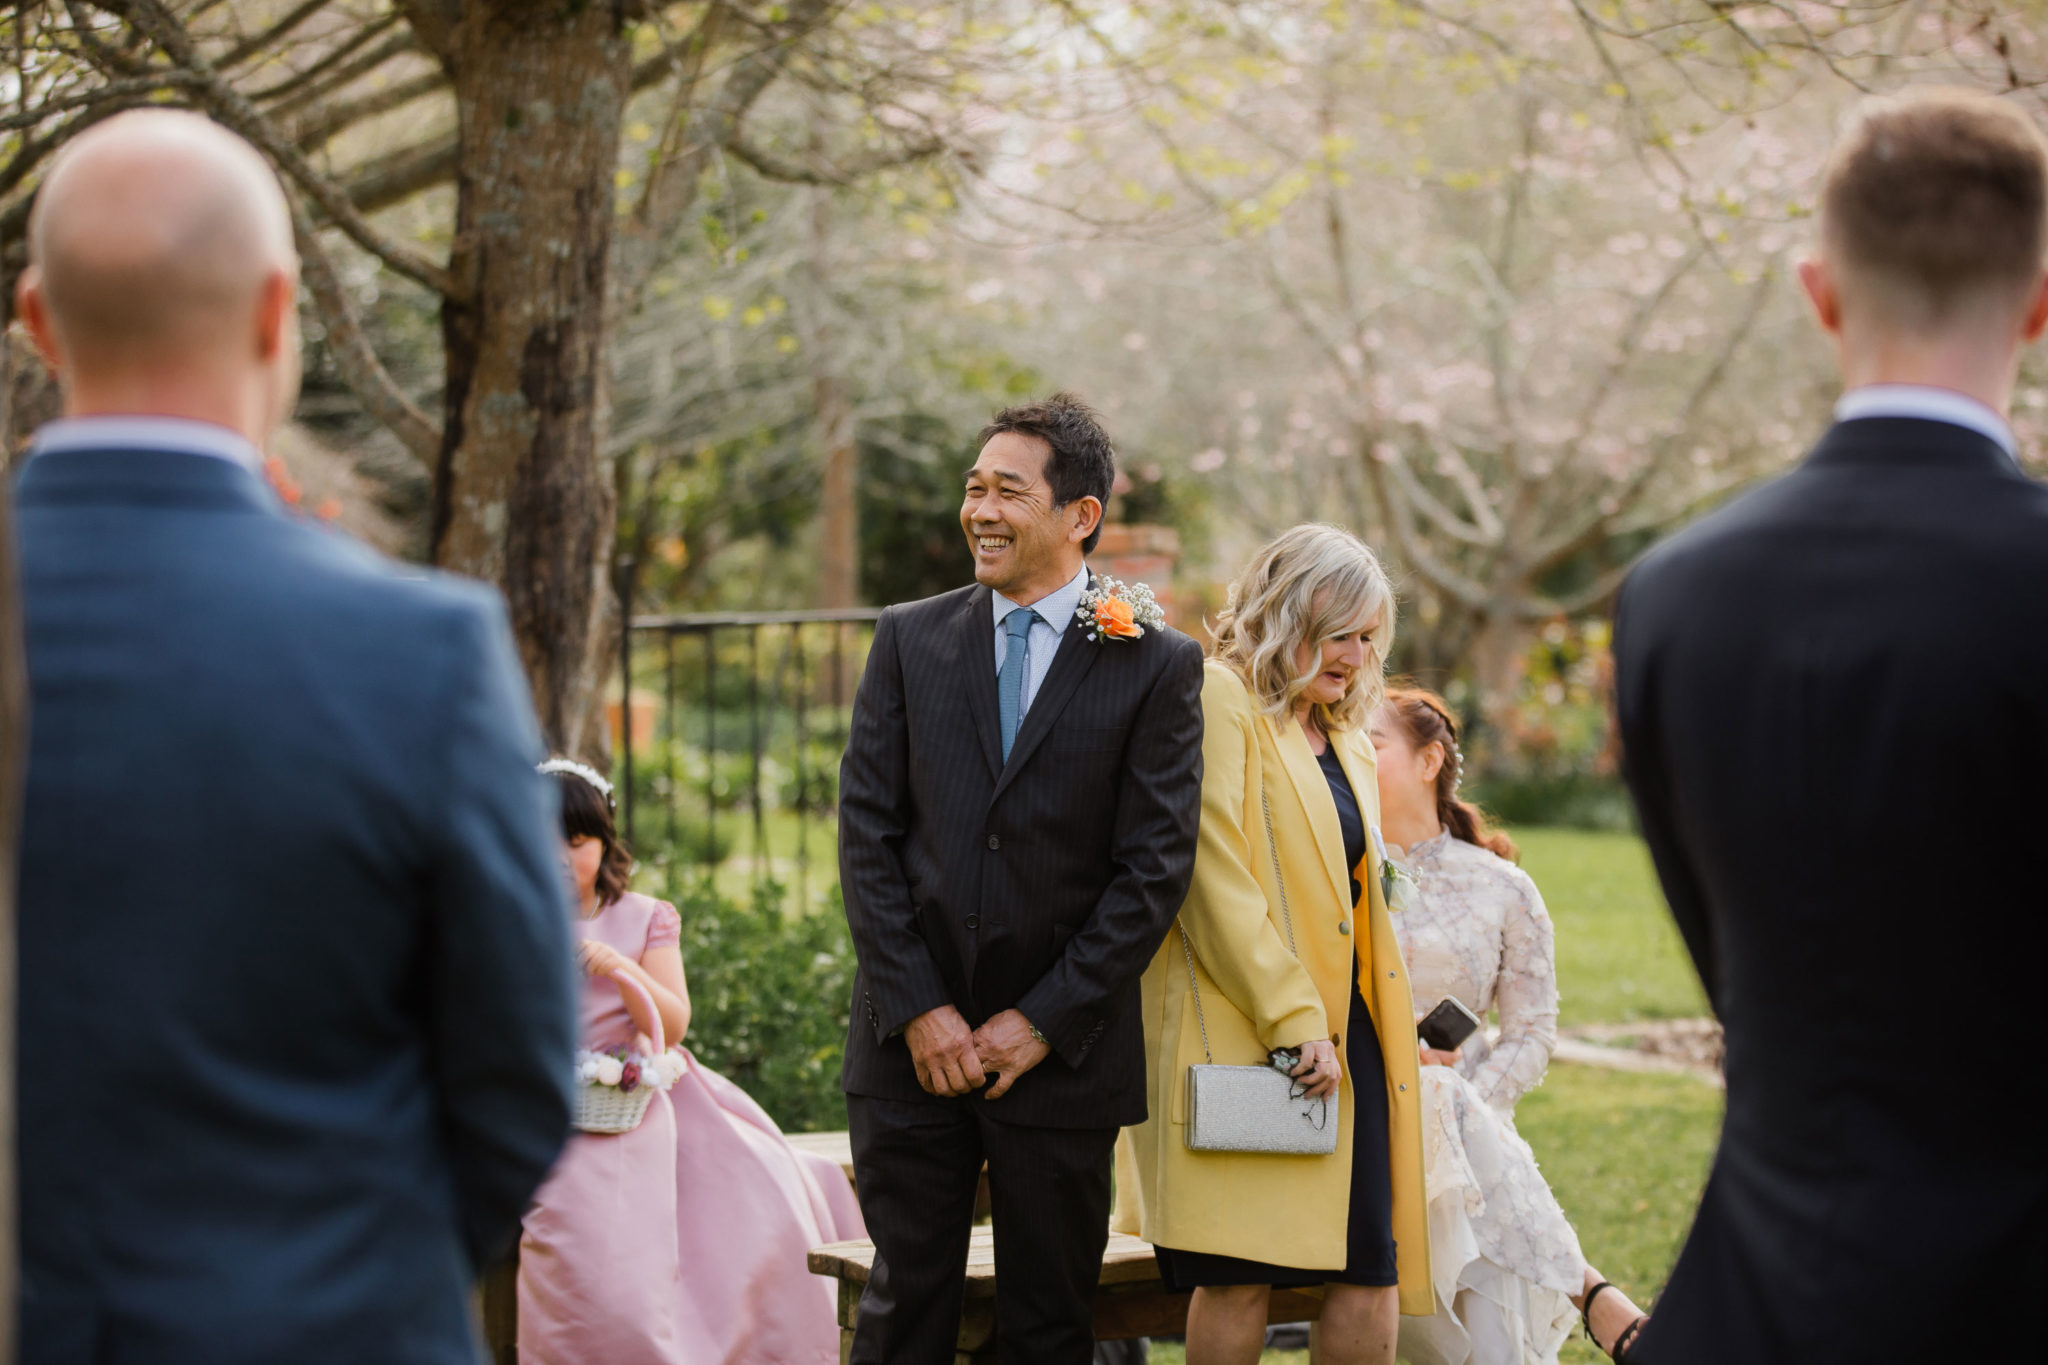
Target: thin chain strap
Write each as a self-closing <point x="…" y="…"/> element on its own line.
<point x="1200" y="1022"/>
<point x="1273" y="845"/>
<point x="1286" y="916"/>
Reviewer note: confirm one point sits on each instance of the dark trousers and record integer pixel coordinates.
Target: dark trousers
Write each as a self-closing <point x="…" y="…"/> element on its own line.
<point x="917" y="1164"/>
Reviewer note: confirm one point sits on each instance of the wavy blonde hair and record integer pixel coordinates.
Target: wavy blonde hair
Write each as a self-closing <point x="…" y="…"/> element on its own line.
<point x="1307" y="584"/>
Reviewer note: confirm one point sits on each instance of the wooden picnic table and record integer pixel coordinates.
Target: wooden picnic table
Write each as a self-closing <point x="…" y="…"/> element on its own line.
<point x="1130" y="1301"/>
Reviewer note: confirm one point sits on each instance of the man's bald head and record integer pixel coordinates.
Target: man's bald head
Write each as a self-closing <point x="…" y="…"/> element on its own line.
<point x="155" y="239"/>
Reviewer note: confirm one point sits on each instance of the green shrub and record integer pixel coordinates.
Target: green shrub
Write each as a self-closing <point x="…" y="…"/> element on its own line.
<point x="1574" y="800"/>
<point x="768" y="997"/>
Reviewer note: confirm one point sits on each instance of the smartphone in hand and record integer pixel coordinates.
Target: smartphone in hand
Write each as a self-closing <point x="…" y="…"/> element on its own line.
<point x="1446" y="1027"/>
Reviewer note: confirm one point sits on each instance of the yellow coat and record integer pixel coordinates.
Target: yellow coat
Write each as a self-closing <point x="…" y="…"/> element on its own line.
<point x="1284" y="1210"/>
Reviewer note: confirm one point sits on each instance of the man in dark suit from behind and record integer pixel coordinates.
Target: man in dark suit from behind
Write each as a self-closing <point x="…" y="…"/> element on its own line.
<point x="1833" y="699"/>
<point x="296" y="995"/>
<point x="1017" y="829"/>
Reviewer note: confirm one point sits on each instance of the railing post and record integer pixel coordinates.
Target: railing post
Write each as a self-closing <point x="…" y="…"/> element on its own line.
<point x="625" y="588"/>
<point x="668" y="730"/>
<point x="710" y="750"/>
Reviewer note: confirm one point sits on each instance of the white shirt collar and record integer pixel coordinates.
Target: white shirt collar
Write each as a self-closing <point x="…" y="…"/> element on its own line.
<point x="1056" y="608"/>
<point x="181" y="435"/>
<point x="1928" y="403"/>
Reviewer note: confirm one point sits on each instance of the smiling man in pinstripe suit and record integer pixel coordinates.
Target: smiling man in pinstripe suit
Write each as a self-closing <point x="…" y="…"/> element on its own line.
<point x="1017" y="828"/>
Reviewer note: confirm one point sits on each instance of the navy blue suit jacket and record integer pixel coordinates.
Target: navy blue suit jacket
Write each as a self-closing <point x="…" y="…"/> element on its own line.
<point x="1833" y="701"/>
<point x="296" y="1010"/>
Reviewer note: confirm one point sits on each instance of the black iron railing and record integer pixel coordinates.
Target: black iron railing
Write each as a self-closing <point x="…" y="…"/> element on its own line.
<point x="730" y="730"/>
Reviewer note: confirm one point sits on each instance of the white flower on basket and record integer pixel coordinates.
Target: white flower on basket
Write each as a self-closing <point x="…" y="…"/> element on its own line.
<point x="665" y="1070"/>
<point x="610" y="1070"/>
<point x="586" y="1068"/>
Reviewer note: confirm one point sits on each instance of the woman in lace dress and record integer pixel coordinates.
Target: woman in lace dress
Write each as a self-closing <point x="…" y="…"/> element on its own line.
<point x="1506" y="1264"/>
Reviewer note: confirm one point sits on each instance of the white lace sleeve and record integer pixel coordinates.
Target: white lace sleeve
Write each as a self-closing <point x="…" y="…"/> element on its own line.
<point x="1526" y="996"/>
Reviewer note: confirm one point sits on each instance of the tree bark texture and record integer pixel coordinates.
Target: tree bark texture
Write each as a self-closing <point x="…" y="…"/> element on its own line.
<point x="13" y="753"/>
<point x="520" y="495"/>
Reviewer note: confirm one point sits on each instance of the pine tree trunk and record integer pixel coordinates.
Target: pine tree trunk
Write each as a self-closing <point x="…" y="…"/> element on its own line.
<point x="520" y="496"/>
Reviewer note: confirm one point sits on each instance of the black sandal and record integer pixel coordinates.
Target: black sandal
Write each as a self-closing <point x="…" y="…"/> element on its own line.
<point x="1618" y="1353"/>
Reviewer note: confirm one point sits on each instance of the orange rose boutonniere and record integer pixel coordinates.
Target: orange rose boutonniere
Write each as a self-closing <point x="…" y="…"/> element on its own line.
<point x="1115" y="619"/>
<point x="1118" y="611"/>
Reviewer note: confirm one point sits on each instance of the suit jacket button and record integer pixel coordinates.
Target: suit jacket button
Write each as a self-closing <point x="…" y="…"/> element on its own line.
<point x="974" y="921"/>
<point x="994" y="842"/>
<point x="1344" y="927"/>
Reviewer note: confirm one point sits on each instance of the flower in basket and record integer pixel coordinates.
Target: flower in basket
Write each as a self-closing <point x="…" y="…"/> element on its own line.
<point x="627" y="1071"/>
<point x="1113" y="610"/>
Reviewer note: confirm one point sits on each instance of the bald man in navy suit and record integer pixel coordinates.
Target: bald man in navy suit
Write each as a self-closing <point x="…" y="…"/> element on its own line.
<point x="296" y="991"/>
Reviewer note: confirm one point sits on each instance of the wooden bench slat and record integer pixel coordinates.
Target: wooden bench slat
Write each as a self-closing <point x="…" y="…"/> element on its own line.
<point x="1125" y="1260"/>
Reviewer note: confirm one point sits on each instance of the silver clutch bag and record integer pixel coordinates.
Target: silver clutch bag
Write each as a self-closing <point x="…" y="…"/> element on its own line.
<point x="1253" y="1108"/>
<point x="1256" y="1109"/>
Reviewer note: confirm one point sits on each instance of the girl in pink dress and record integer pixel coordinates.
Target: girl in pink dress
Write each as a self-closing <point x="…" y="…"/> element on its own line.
<point x="682" y="1242"/>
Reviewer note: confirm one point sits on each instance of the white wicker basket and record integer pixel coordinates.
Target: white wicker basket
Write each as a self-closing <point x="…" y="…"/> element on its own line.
<point x="606" y="1108"/>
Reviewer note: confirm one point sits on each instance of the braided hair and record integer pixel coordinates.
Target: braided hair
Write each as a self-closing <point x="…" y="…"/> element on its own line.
<point x="1426" y="719"/>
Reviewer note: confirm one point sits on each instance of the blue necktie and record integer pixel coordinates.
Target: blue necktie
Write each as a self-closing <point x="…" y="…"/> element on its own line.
<point x="1010" y="682"/>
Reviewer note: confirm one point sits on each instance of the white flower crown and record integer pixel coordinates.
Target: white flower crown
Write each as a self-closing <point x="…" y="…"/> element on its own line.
<point x="575" y="769"/>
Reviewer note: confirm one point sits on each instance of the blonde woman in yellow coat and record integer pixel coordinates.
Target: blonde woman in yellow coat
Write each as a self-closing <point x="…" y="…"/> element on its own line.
<point x="1295" y="675"/>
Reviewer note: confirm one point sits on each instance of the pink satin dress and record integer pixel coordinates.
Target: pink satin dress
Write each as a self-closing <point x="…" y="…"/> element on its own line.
<point x="684" y="1241"/>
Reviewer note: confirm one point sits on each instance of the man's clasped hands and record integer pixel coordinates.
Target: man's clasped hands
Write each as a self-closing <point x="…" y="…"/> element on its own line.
<point x="953" y="1059"/>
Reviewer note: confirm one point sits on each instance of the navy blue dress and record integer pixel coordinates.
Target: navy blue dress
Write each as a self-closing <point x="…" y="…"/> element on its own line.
<point x="1369" y="1233"/>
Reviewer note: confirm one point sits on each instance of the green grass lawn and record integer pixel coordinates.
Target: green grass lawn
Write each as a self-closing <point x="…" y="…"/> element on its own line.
<point x="1619" y="957"/>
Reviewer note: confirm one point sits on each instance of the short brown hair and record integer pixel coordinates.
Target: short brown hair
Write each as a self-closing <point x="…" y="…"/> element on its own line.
<point x="1936" y="200"/>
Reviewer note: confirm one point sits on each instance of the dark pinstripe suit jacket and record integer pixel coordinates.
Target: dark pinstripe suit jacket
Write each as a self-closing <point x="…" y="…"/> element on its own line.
<point x="1045" y="885"/>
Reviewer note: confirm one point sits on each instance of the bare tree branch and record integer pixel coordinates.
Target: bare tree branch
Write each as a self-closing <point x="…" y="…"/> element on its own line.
<point x="336" y="119"/>
<point x="771" y="166"/>
<point x="398" y="176"/>
<point x="235" y="110"/>
<point x="1558" y="550"/>
<point x="1434" y="510"/>
<point x="1413" y="549"/>
<point x="322" y="78"/>
<point x="434" y="21"/>
<point x="259" y="43"/>
<point x="138" y="86"/>
<point x="352" y="352"/>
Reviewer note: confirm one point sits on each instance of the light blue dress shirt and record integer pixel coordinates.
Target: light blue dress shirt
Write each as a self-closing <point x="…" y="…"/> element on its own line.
<point x="1927" y="403"/>
<point x="180" y="434"/>
<point x="1056" y="612"/>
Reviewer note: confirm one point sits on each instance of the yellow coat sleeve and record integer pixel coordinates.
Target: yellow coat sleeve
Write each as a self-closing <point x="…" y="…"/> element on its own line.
<point x="1227" y="915"/>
